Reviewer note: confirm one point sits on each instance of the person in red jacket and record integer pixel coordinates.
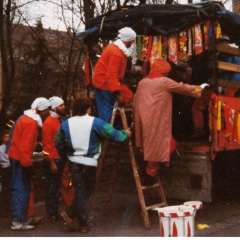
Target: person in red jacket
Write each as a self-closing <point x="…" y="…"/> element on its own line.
<point x="22" y="142"/>
<point x="108" y="72"/>
<point x="53" y="165"/>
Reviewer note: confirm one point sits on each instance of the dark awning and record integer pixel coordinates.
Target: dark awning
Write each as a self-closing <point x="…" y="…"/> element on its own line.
<point x="161" y="20"/>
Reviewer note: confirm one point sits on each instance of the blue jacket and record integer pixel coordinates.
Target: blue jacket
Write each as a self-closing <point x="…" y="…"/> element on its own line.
<point x="79" y="138"/>
<point x="229" y="75"/>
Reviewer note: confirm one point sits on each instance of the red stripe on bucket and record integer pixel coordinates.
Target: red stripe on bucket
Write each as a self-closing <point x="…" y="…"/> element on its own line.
<point x="175" y="232"/>
<point x="189" y="230"/>
<point x="173" y="214"/>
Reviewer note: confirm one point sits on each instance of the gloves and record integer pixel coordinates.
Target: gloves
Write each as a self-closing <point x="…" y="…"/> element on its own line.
<point x="202" y="86"/>
<point x="119" y="98"/>
<point x="28" y="173"/>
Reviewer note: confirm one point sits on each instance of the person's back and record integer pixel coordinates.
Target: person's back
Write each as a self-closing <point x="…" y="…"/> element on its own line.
<point x="83" y="138"/>
<point x="23" y="140"/>
<point x="20" y="149"/>
<point x="109" y="68"/>
<point x="109" y="71"/>
<point x="79" y="139"/>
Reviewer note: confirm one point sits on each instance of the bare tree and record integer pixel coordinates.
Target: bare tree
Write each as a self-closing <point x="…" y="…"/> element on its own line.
<point x="8" y="66"/>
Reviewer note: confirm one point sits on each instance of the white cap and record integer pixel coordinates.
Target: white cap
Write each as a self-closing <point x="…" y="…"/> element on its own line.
<point x="40" y="103"/>
<point x="127" y="34"/>
<point x="55" y="102"/>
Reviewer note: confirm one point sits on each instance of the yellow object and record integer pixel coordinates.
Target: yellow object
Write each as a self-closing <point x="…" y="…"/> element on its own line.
<point x="219" y="115"/>
<point x="238" y="127"/>
<point x="202" y="226"/>
<point x="218" y="30"/>
<point x="160" y="47"/>
<point x="197" y="89"/>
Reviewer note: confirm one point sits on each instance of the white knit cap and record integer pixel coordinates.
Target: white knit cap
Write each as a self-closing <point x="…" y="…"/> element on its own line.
<point x="126" y="34"/>
<point x="40" y="103"/>
<point x="55" y="101"/>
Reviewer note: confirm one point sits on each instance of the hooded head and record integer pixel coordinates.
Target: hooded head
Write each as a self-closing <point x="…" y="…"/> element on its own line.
<point x="160" y="66"/>
<point x="127" y="34"/>
<point x="40" y="104"/>
<point x="55" y="102"/>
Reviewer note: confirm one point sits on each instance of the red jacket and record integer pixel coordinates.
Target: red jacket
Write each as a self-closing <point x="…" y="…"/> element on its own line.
<point x="23" y="140"/>
<point x="49" y="132"/>
<point x="109" y="69"/>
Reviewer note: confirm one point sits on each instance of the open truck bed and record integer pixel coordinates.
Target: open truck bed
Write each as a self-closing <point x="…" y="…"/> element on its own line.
<point x="189" y="174"/>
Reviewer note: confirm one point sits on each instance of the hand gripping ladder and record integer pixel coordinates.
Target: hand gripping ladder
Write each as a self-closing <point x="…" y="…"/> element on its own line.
<point x="140" y="188"/>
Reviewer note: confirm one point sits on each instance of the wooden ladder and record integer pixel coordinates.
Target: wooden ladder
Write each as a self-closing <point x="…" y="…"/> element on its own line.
<point x="140" y="188"/>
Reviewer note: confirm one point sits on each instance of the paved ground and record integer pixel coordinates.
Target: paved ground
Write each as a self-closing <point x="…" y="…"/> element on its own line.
<point x="120" y="214"/>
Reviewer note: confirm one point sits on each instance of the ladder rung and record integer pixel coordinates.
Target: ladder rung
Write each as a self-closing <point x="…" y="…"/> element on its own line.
<point x="155" y="205"/>
<point x="146" y="187"/>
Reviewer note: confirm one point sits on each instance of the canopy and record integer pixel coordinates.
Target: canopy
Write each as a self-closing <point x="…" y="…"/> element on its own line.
<point x="161" y="20"/>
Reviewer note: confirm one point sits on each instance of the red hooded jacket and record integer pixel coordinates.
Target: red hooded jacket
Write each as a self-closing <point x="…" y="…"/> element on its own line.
<point x="109" y="69"/>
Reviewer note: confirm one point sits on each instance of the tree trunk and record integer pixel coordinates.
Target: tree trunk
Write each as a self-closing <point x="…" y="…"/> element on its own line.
<point x="6" y="79"/>
<point x="88" y="7"/>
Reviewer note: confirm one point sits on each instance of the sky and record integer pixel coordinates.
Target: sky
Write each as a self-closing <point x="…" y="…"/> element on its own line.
<point x="50" y="13"/>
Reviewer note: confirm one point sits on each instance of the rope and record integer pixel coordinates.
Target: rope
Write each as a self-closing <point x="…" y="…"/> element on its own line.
<point x="101" y="26"/>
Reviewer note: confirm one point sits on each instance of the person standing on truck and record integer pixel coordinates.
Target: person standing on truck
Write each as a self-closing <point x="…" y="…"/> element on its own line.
<point x="53" y="165"/>
<point x="109" y="71"/>
<point x="20" y="148"/>
<point x="198" y="66"/>
<point x="79" y="139"/>
<point x="152" y="112"/>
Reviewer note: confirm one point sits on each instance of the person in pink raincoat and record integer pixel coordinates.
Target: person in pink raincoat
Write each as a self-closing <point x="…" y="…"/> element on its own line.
<point x="152" y="113"/>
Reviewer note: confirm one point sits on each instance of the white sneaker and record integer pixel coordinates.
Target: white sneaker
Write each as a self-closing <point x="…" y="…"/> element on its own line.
<point x="33" y="220"/>
<point x="16" y="225"/>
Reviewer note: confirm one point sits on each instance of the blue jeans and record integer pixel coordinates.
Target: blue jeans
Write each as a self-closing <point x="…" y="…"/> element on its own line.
<point x="21" y="190"/>
<point x="105" y="103"/>
<point x="84" y="180"/>
<point x="52" y="185"/>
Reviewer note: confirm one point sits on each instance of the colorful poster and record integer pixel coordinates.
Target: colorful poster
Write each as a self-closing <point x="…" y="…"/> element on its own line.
<point x="173" y="48"/>
<point x="206" y="27"/>
<point x="164" y="47"/>
<point x="144" y="47"/>
<point x="190" y="42"/>
<point x="183" y="44"/>
<point x="154" y="51"/>
<point x="198" y="39"/>
<point x="218" y="31"/>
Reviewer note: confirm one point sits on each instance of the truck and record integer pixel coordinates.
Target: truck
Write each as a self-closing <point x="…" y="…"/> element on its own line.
<point x="190" y="172"/>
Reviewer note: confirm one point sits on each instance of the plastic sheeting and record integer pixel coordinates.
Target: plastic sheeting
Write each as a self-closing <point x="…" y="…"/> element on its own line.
<point x="161" y="20"/>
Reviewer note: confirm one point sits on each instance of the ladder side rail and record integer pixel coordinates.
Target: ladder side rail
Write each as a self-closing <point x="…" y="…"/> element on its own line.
<point x="136" y="175"/>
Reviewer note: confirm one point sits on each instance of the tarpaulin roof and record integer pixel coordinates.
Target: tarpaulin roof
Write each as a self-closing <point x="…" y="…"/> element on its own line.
<point x="161" y="20"/>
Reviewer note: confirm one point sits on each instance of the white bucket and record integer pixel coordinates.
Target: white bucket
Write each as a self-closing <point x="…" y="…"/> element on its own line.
<point x="176" y="221"/>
